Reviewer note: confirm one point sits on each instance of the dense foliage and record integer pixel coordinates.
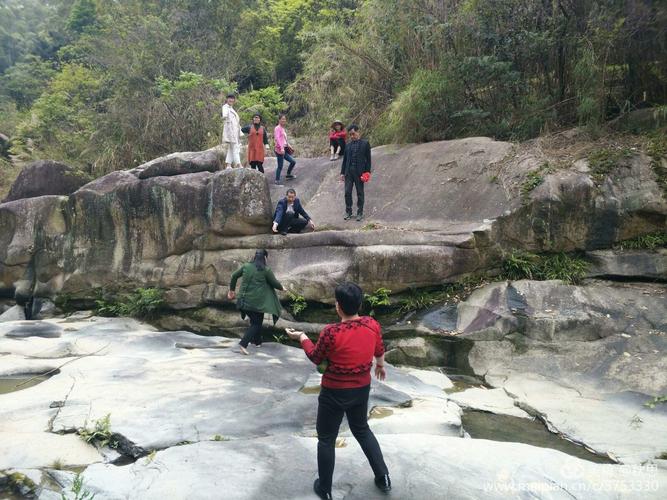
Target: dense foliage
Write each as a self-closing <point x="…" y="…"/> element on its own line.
<point x="106" y="85"/>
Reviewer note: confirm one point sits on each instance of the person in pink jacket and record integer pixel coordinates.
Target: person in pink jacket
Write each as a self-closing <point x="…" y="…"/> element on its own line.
<point x="283" y="150"/>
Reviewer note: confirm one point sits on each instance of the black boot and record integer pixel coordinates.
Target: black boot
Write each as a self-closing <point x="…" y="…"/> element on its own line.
<point x="383" y="483"/>
<point x="323" y="495"/>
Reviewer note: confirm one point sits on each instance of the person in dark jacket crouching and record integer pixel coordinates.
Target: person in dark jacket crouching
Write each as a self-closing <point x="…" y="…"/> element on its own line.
<point x="256" y="296"/>
<point x="286" y="218"/>
<point x="348" y="348"/>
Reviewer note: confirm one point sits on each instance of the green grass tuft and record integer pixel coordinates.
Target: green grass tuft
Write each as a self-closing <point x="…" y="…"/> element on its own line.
<point x="534" y="178"/>
<point x="644" y="242"/>
<point x="143" y="303"/>
<point x="100" y="434"/>
<point x="298" y="303"/>
<point x="379" y="298"/>
<point x="560" y="266"/>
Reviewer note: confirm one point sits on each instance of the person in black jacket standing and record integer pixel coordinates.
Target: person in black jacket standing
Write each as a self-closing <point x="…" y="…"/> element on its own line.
<point x="355" y="170"/>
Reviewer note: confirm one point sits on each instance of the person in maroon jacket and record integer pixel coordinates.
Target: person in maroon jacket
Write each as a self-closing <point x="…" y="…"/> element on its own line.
<point x="347" y="349"/>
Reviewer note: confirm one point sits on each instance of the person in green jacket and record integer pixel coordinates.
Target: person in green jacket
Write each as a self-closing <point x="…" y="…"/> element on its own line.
<point x="256" y="296"/>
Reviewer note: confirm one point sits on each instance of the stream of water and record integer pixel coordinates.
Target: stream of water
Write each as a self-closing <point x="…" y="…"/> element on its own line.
<point x="13" y="384"/>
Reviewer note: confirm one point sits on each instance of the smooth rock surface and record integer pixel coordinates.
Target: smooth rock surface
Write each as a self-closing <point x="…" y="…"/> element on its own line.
<point x="177" y="224"/>
<point x="586" y="359"/>
<point x="415" y="351"/>
<point x="160" y="388"/>
<point x="285" y="467"/>
<point x="628" y="264"/>
<point x="552" y="310"/>
<point x="164" y="390"/>
<point x="490" y="400"/>
<point x="432" y="377"/>
<point x="631" y="433"/>
<point x="14" y="313"/>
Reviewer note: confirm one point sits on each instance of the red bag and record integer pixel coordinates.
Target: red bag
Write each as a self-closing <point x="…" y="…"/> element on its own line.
<point x="365" y="177"/>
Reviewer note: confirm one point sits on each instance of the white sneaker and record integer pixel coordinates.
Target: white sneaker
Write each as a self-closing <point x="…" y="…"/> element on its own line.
<point x="333" y="157"/>
<point x="243" y="350"/>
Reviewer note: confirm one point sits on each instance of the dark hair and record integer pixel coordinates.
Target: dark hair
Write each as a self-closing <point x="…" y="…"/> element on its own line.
<point x="352" y="127"/>
<point x="281" y="115"/>
<point x="260" y="259"/>
<point x="290" y="190"/>
<point x="230" y="96"/>
<point x="257" y="115"/>
<point x="349" y="296"/>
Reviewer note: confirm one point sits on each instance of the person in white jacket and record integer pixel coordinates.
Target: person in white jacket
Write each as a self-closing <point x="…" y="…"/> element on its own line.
<point x="231" y="132"/>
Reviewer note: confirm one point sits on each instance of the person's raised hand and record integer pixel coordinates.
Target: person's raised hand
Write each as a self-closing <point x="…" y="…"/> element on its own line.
<point x="275" y="227"/>
<point x="342" y="177"/>
<point x="231" y="295"/>
<point x="379" y="372"/>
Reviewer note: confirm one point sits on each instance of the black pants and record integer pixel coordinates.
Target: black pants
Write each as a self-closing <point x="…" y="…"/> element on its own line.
<point x="292" y="224"/>
<point x="254" y="332"/>
<point x="257" y="165"/>
<point x="336" y="144"/>
<point x="353" y="403"/>
<point x="350" y="182"/>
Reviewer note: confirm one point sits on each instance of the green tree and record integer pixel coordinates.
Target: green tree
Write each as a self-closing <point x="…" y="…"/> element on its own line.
<point x="63" y="119"/>
<point x="83" y="16"/>
<point x="25" y="81"/>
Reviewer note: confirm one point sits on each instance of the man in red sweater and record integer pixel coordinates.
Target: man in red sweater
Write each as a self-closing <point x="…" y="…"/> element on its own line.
<point x="348" y="348"/>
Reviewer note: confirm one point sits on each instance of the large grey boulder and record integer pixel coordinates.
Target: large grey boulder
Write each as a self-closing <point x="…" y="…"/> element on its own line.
<point x="179" y="224"/>
<point x="628" y="264"/>
<point x="436" y="186"/>
<point x="31" y="246"/>
<point x="585" y="359"/>
<point x="571" y="211"/>
<point x="416" y="351"/>
<point x="46" y="177"/>
<point x="552" y="310"/>
<point x="180" y="163"/>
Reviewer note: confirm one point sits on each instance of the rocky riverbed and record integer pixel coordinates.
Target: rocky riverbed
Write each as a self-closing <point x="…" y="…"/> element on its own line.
<point x="517" y="388"/>
<point x="189" y="417"/>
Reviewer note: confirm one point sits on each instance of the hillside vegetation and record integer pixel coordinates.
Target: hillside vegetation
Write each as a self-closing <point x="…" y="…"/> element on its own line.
<point x="107" y="85"/>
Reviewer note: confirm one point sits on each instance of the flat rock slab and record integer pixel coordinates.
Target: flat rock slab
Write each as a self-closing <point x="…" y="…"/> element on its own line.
<point x="421" y="467"/>
<point x="432" y="377"/>
<point x="490" y="400"/>
<point x="161" y="388"/>
<point x="43" y="449"/>
<point x="629" y="264"/>
<point x="23" y="329"/>
<point x="14" y="313"/>
<point x="616" y="424"/>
